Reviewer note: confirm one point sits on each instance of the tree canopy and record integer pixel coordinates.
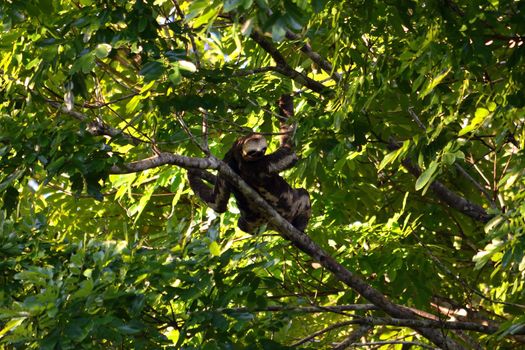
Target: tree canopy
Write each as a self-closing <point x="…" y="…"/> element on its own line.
<point x="410" y="131"/>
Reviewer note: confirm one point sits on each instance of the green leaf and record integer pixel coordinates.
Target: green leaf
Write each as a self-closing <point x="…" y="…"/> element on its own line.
<point x="389" y="158"/>
<point x="11" y="325"/>
<point x="479" y="117"/>
<point x="102" y="50"/>
<point x="152" y="71"/>
<point x="215" y="249"/>
<point x="427" y="176"/>
<point x="231" y="5"/>
<point x="434" y="82"/>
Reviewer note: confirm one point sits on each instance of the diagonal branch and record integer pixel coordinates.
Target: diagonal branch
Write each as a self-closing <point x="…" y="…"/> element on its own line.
<point x="315" y="57"/>
<point x="284" y="68"/>
<point x="296" y="237"/>
<point x="451" y="198"/>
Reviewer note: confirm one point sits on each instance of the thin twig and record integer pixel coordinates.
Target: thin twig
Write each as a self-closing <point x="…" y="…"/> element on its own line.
<point x="181" y="121"/>
<point x="393" y="342"/>
<point x="205" y="144"/>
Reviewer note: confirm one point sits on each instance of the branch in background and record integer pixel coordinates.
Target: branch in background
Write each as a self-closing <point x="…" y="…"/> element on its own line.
<point x="296" y="237"/>
<point x="205" y="133"/>
<point x="114" y="73"/>
<point x="96" y="128"/>
<point x="458" y="167"/>
<point x="377" y="344"/>
<point x="454" y="200"/>
<point x="284" y="68"/>
<point x="315" y="57"/>
<point x="321" y="332"/>
<point x="353" y="337"/>
<point x="302" y="309"/>
<point x="245" y="72"/>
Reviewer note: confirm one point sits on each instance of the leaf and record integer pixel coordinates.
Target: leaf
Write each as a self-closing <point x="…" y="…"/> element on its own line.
<point x="17" y="174"/>
<point x="434" y="82"/>
<point x="133" y="104"/>
<point x="426" y="176"/>
<point x="102" y="50"/>
<point x="84" y="64"/>
<point x="392" y="156"/>
<point x="215" y="249"/>
<point x="187" y="66"/>
<point x="231" y="5"/>
<point x="389" y="158"/>
<point x="11" y="325"/>
<point x="479" y="117"/>
<point x="152" y="70"/>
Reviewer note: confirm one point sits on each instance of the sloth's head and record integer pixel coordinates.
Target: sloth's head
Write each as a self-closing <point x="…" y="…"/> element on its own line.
<point x="253" y="147"/>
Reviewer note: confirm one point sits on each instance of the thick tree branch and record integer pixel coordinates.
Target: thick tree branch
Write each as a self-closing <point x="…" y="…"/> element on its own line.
<point x="164" y="158"/>
<point x="284" y="68"/>
<point x="411" y="323"/>
<point x="296" y="237"/>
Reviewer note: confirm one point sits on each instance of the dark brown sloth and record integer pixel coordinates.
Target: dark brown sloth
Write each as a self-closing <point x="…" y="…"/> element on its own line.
<point x="248" y="158"/>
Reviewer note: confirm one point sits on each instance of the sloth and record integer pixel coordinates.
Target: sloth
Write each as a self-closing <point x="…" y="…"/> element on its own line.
<point x="248" y="158"/>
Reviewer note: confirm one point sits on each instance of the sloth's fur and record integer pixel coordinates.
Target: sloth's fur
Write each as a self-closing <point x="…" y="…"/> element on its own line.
<point x="247" y="157"/>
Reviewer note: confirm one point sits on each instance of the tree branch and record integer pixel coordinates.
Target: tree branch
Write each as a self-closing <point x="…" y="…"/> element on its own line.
<point x="353" y="337"/>
<point x="377" y="344"/>
<point x="451" y="198"/>
<point x="296" y="237"/>
<point x="245" y="72"/>
<point x="315" y="57"/>
<point x="96" y="128"/>
<point x="303" y="309"/>
<point x="164" y="158"/>
<point x="284" y="68"/>
<point x="411" y="323"/>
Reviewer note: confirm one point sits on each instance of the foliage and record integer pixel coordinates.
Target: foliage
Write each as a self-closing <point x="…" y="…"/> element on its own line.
<point x="92" y="259"/>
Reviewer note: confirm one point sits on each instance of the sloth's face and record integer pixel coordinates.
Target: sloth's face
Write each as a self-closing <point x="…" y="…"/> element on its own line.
<point x="254" y="147"/>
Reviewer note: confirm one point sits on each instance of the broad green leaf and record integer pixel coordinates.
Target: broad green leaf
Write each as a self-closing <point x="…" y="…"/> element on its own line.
<point x="231" y="5"/>
<point x="389" y="158"/>
<point x="427" y="176"/>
